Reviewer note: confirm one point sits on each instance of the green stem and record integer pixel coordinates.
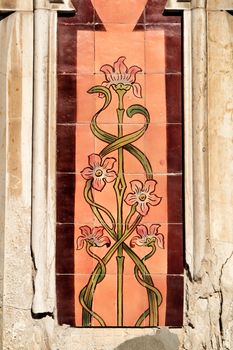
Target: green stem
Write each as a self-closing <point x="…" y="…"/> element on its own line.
<point x="87" y="306"/>
<point x="151" y="312"/>
<point x="120" y="187"/>
<point x="96" y="277"/>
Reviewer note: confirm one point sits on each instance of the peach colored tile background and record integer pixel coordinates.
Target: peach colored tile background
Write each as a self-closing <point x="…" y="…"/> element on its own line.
<point x="146" y="50"/>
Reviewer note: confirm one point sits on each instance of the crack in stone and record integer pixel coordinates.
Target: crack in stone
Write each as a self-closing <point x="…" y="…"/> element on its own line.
<point x="221" y="328"/>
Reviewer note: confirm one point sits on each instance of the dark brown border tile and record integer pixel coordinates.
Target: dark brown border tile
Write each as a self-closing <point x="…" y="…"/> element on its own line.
<point x="175" y="198"/>
<point x="174" y="98"/>
<point x="84" y="13"/>
<point x="173" y="42"/>
<point x="139" y="28"/>
<point x="67" y="45"/>
<point x="65" y="248"/>
<point x="175" y="300"/>
<point x="154" y="13"/>
<point x="99" y="27"/>
<point x="66" y="148"/>
<point x="65" y="299"/>
<point x="175" y="249"/>
<point x="66" y="100"/>
<point x="174" y="147"/>
<point x="65" y="198"/>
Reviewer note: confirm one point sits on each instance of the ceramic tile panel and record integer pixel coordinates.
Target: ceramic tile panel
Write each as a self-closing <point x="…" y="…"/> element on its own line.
<point x="119" y="165"/>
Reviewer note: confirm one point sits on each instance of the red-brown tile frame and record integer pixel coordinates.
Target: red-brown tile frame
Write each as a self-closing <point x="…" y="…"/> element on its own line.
<point x="67" y="76"/>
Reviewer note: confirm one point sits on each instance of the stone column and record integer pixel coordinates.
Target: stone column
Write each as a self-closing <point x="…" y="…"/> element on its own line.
<point x="44" y="152"/>
<point x="16" y="87"/>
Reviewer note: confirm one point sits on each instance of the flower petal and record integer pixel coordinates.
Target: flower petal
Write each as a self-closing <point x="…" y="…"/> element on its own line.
<point x="103" y="241"/>
<point x="153" y="199"/>
<point x="85" y="230"/>
<point x="154" y="229"/>
<point x="110" y="176"/>
<point x="131" y="199"/>
<point x="137" y="90"/>
<point x="141" y="242"/>
<point x="87" y="173"/>
<point x="150" y="186"/>
<point x="142" y="208"/>
<point x="136" y="186"/>
<point x="94" y="160"/>
<point x="132" y="71"/>
<point x="160" y="240"/>
<point x="119" y="66"/>
<point x="107" y="69"/>
<point x="98" y="183"/>
<point x="109" y="163"/>
<point x="80" y="243"/>
<point x="133" y="241"/>
<point x="98" y="231"/>
<point x="137" y="240"/>
<point x="142" y="230"/>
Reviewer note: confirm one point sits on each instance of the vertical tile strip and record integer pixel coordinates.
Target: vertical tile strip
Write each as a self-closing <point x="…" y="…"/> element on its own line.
<point x="65" y="181"/>
<point x="175" y="287"/>
<point x="67" y="75"/>
<point x="85" y="19"/>
<point x="174" y="311"/>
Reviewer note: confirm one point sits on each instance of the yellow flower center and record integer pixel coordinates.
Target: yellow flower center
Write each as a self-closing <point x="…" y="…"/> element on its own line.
<point x="98" y="173"/>
<point x="142" y="197"/>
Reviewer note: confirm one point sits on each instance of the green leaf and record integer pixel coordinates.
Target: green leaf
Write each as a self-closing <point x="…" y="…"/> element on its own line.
<point x="138" y="109"/>
<point x="102" y="90"/>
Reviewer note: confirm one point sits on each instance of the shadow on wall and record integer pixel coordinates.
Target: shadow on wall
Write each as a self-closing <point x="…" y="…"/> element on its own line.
<point x="162" y="340"/>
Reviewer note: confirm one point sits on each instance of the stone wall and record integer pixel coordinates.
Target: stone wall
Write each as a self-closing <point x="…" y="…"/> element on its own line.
<point x="209" y="290"/>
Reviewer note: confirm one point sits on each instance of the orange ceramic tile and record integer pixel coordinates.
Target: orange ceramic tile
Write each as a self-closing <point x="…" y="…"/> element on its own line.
<point x="105" y="300"/>
<point x="83" y="133"/>
<point x="158" y="153"/>
<point x="132" y="164"/>
<point x="85" y="101"/>
<point x="81" y="206"/>
<point x="85" y="52"/>
<point x="84" y="263"/>
<point x="155" y="92"/>
<point x="157" y="264"/>
<point x="100" y="145"/>
<point x="160" y="282"/>
<point x="135" y="301"/>
<point x="109" y="115"/>
<point x="106" y="198"/>
<point x="80" y="282"/>
<point x="137" y="61"/>
<point x="158" y="213"/>
<point x="114" y="12"/>
<point x="110" y="45"/>
<point x="154" y="51"/>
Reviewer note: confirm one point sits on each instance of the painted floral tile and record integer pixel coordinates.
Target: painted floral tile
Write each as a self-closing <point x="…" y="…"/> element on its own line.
<point x="119" y="166"/>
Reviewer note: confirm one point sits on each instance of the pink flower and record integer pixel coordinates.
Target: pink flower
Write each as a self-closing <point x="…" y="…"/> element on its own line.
<point x="146" y="238"/>
<point x="120" y="77"/>
<point x="143" y="195"/>
<point x="99" y="171"/>
<point x="92" y="236"/>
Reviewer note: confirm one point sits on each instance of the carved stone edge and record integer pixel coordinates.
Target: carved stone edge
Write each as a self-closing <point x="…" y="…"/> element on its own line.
<point x="195" y="134"/>
<point x="44" y="159"/>
<point x="177" y="5"/>
<point x="63" y="6"/>
<point x="26" y="5"/>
